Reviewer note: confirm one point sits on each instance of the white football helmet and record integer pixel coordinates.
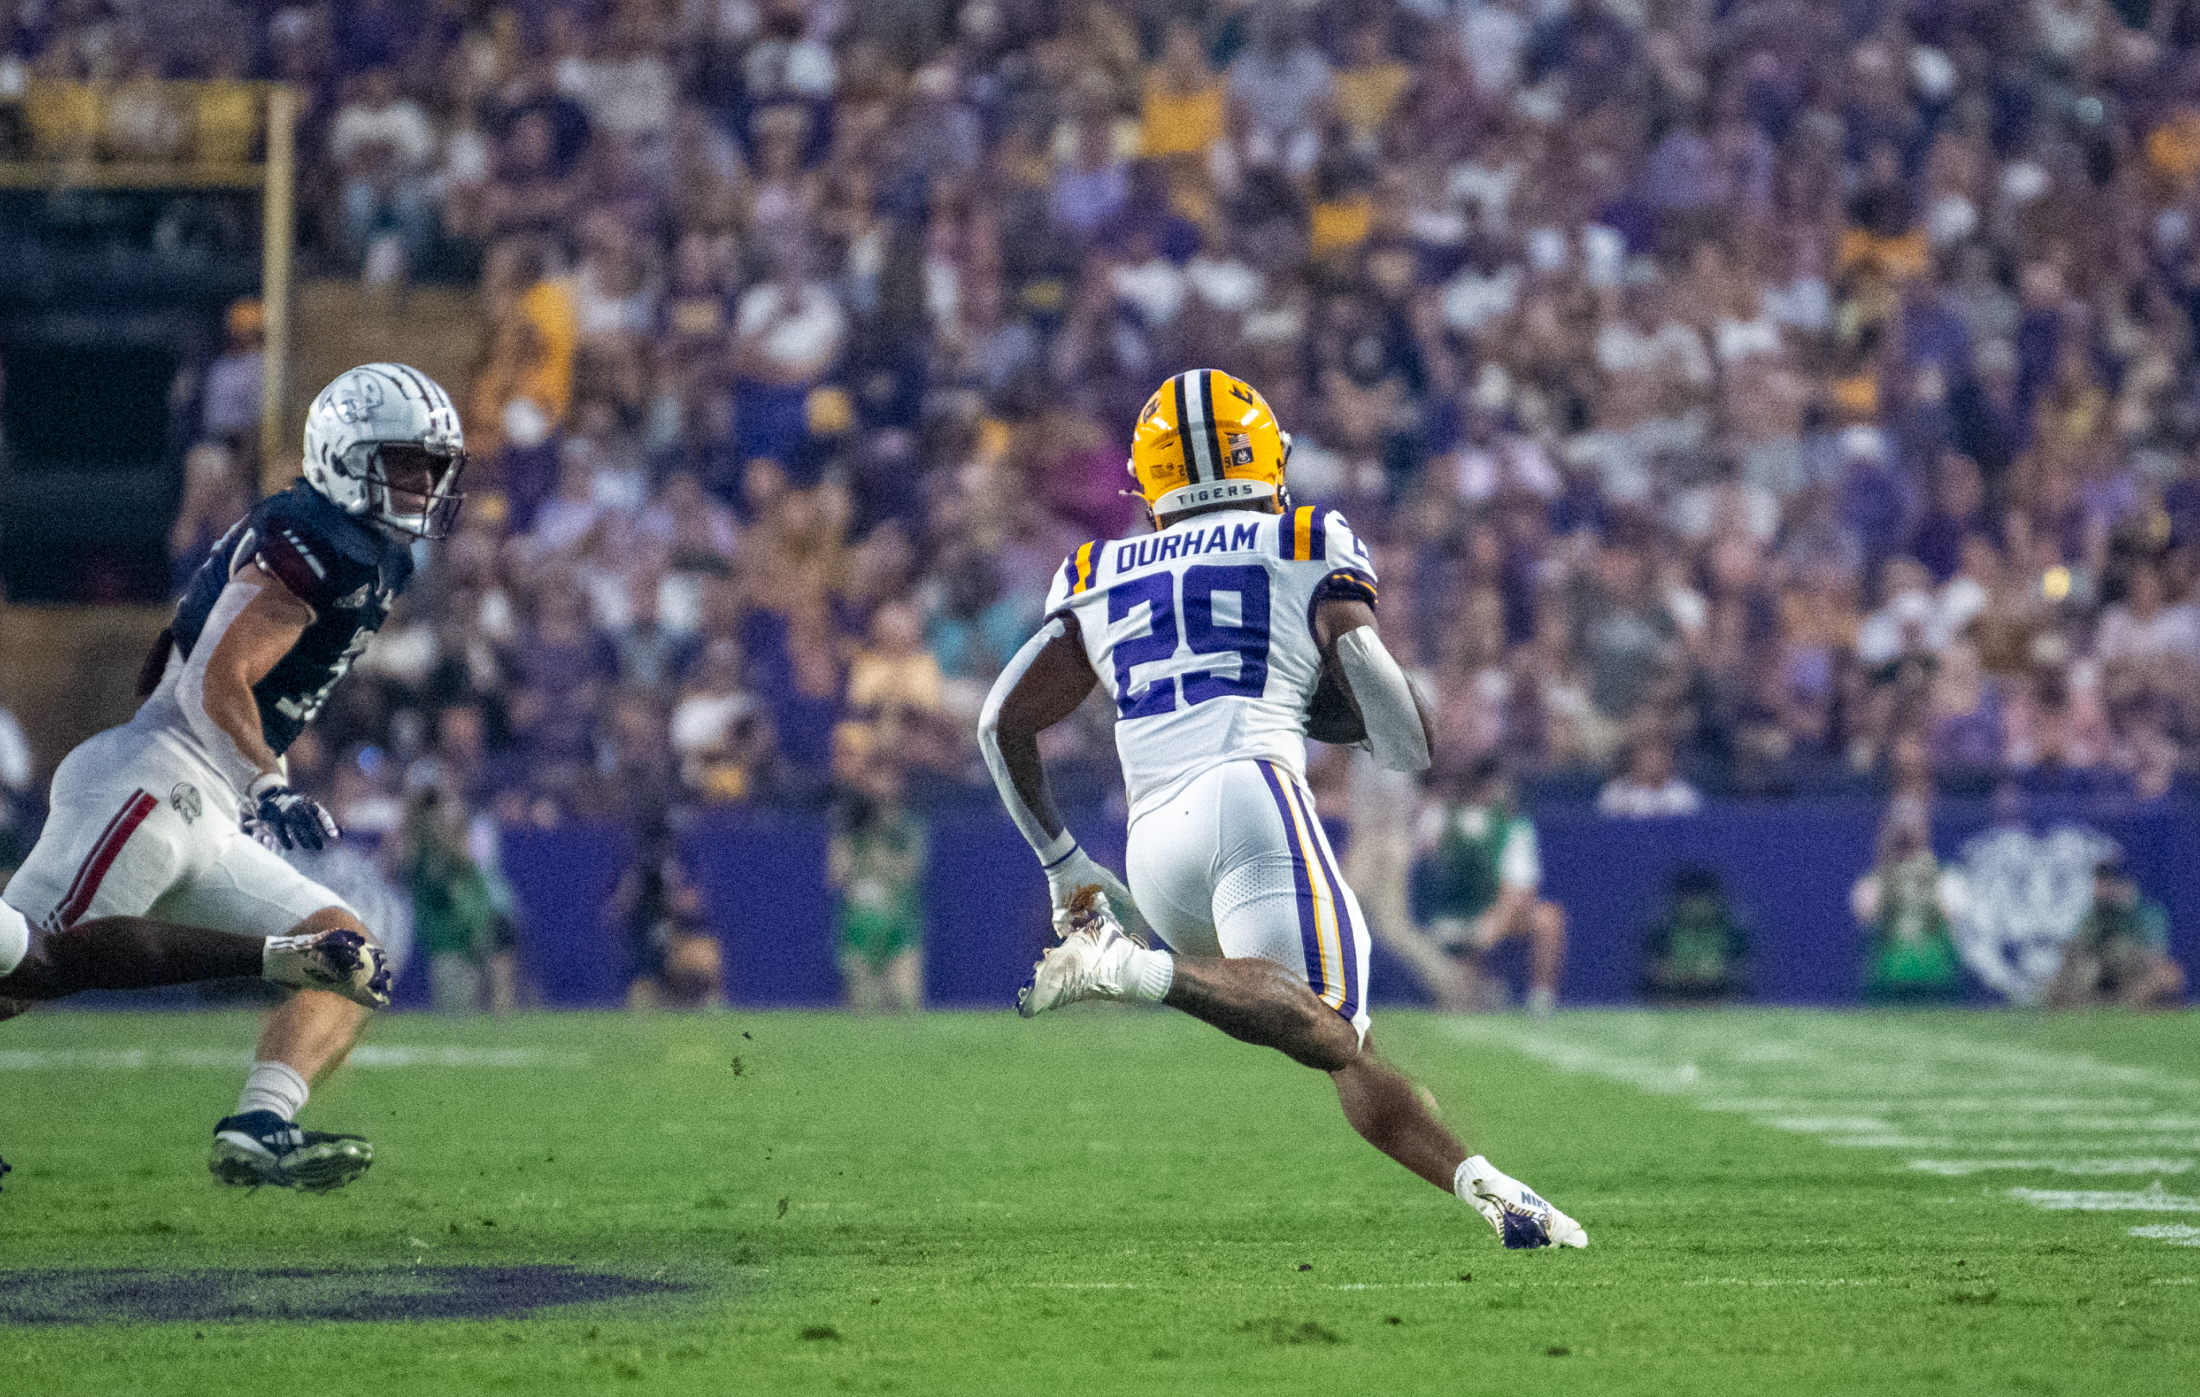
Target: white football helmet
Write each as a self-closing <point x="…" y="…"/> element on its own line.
<point x="383" y="444"/>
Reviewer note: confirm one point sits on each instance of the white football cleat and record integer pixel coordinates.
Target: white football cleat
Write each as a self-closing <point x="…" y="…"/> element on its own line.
<point x="1088" y="962"/>
<point x="1565" y="1232"/>
<point x="341" y="962"/>
<point x="1523" y="1218"/>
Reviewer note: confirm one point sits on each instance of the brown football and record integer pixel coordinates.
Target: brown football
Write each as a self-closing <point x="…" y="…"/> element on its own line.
<point x="1332" y="715"/>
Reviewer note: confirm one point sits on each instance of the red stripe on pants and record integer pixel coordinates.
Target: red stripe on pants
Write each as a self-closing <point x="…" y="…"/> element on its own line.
<point x="53" y="918"/>
<point x="102" y="858"/>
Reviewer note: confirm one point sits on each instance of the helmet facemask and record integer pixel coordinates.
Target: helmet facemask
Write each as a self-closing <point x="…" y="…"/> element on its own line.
<point x="408" y="487"/>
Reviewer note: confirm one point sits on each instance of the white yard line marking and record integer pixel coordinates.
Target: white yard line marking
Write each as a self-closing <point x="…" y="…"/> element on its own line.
<point x="1962" y="1168"/>
<point x="392" y="1055"/>
<point x="2057" y="1140"/>
<point x="2151" y="1199"/>
<point x="1765" y="1281"/>
<point x="370" y="1055"/>
<point x="2177" y="1234"/>
<point x="1960" y="1107"/>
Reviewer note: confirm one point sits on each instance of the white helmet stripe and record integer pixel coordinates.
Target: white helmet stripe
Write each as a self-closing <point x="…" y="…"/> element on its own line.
<point x="1195" y="424"/>
<point x="1218" y="460"/>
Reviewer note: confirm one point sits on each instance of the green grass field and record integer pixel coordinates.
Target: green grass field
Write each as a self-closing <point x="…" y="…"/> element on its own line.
<point x="1114" y="1201"/>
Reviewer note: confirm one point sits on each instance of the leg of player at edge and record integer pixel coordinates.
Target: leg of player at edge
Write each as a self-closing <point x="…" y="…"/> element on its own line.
<point x="1257" y="1002"/>
<point x="140" y="953"/>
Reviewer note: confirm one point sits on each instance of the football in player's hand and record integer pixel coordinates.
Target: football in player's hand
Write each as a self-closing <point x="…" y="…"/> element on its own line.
<point x="1332" y="716"/>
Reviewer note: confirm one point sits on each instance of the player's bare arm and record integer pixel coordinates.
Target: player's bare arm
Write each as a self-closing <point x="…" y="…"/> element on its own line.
<point x="1042" y="685"/>
<point x="265" y="621"/>
<point x="269" y="619"/>
<point x="1047" y="692"/>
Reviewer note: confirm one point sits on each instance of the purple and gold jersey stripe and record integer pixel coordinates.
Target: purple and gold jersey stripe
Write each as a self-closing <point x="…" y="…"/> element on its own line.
<point x="1325" y="921"/>
<point x="1302" y="535"/>
<point x="1080" y="567"/>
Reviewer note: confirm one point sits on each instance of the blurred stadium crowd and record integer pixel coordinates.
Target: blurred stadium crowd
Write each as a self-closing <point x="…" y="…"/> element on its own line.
<point x="1749" y="396"/>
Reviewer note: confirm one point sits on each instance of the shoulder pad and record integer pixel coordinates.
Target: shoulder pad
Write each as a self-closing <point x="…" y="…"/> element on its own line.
<point x="286" y="553"/>
<point x="320" y="553"/>
<point x="1300" y="534"/>
<point x="1346" y="548"/>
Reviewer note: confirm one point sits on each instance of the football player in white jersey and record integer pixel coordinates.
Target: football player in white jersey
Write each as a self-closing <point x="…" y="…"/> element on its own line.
<point x="168" y="814"/>
<point x="1226" y="637"/>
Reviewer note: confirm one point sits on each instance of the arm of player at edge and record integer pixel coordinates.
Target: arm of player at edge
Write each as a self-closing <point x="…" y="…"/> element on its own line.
<point x="1399" y="734"/>
<point x="1045" y="682"/>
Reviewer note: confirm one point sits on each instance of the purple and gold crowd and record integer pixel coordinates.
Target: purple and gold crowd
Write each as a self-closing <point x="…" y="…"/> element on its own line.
<point x="1750" y="396"/>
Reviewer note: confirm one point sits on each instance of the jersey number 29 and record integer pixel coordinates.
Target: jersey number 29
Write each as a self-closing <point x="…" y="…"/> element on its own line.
<point x="1246" y="637"/>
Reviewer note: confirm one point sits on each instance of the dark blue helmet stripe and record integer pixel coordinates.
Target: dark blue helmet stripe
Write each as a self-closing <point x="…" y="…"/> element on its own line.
<point x="1187" y="433"/>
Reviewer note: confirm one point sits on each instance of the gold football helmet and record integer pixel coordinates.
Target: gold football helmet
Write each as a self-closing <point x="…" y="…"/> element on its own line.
<point x="1204" y="438"/>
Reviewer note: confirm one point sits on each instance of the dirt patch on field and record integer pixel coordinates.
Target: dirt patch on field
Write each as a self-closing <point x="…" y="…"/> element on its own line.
<point x="309" y="1293"/>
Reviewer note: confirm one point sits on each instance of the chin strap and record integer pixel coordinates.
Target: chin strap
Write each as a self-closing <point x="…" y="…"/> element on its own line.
<point x="1394" y="732"/>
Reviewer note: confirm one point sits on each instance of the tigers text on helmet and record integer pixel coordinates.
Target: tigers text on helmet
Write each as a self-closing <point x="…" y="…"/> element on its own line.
<point x="1206" y="438"/>
<point x="383" y="444"/>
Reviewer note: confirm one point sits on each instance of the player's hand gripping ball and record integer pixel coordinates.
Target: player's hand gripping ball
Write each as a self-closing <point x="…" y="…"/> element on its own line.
<point x="1331" y="715"/>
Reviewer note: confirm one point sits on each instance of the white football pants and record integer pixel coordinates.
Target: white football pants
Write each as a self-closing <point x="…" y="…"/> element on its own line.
<point x="1235" y="864"/>
<point x="139" y="827"/>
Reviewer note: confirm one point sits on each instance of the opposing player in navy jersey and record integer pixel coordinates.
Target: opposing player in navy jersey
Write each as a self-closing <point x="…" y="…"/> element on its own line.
<point x="171" y="815"/>
<point x="1234" y="631"/>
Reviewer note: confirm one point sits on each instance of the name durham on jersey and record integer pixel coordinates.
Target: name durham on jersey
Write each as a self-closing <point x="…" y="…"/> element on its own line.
<point x="1308" y="533"/>
<point x="1160" y="548"/>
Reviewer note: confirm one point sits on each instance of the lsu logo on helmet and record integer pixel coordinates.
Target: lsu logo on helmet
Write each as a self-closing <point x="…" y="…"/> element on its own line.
<point x="1206" y="437"/>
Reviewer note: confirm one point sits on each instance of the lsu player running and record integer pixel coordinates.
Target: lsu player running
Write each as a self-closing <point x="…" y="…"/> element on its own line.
<point x="160" y="815"/>
<point x="1237" y="628"/>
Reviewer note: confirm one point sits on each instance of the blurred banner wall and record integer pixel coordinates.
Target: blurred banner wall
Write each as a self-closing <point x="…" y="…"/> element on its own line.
<point x="1788" y="870"/>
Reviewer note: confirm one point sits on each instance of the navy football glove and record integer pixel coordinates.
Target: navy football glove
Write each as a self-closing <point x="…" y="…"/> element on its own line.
<point x="283" y="819"/>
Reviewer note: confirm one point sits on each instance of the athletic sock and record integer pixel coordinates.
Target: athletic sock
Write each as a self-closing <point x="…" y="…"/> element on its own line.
<point x="273" y="1086"/>
<point x="1147" y="975"/>
<point x="1471" y="1170"/>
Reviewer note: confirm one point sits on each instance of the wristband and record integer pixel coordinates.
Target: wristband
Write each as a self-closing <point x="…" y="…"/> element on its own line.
<point x="1060" y="847"/>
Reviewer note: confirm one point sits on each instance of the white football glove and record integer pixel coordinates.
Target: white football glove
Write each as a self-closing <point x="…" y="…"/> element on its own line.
<point x="1079" y="870"/>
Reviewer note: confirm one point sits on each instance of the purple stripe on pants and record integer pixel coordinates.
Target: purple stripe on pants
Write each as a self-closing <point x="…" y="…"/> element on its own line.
<point x="1310" y="942"/>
